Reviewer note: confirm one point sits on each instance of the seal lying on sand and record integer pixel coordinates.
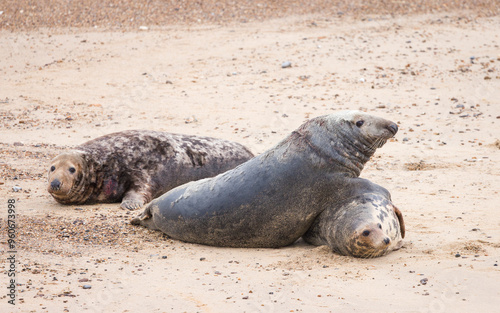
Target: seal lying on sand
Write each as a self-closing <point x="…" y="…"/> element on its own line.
<point x="365" y="224"/>
<point x="272" y="200"/>
<point x="138" y="165"/>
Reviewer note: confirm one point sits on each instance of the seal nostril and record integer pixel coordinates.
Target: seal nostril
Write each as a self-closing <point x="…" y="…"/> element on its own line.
<point x="55" y="184"/>
<point x="393" y="128"/>
<point x="387" y="241"/>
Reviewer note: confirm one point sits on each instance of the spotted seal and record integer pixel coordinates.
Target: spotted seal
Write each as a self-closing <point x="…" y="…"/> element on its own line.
<point x="363" y="222"/>
<point x="136" y="166"/>
<point x="272" y="199"/>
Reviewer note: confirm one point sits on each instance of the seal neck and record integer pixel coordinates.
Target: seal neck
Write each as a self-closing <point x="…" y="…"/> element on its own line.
<point x="338" y="150"/>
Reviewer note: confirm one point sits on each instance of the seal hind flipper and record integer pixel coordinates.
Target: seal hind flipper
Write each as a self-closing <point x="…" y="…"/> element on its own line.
<point x="401" y="220"/>
<point x="144" y="219"/>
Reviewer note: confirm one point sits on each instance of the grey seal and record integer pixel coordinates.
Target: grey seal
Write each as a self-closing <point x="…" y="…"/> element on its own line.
<point x="135" y="166"/>
<point x="272" y="199"/>
<point x="363" y="222"/>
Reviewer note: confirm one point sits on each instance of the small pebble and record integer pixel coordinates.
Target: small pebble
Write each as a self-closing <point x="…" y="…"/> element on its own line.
<point x="424" y="281"/>
<point x="164" y="257"/>
<point x="286" y="64"/>
<point x="457" y="255"/>
<point x="202" y="259"/>
<point x="16" y="188"/>
<point x="87" y="286"/>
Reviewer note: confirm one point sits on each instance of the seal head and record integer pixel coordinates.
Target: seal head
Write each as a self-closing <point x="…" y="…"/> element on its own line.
<point x="370" y="228"/>
<point x="365" y="225"/>
<point x="347" y="139"/>
<point x="68" y="176"/>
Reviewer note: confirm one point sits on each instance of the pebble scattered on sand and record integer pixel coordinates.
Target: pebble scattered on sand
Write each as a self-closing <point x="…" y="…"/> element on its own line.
<point x="134" y="14"/>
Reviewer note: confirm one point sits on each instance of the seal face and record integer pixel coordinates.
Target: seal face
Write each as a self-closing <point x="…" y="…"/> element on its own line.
<point x="137" y="165"/>
<point x="272" y="199"/>
<point x="365" y="225"/>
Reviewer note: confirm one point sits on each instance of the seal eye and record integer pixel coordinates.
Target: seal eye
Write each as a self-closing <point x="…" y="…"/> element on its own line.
<point x="360" y="123"/>
<point x="366" y="233"/>
<point x="52" y="168"/>
<point x="379" y="226"/>
<point x="72" y="170"/>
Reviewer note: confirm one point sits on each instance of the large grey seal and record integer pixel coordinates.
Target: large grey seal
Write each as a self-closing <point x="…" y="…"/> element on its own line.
<point x="271" y="200"/>
<point x="362" y="223"/>
<point x="136" y="166"/>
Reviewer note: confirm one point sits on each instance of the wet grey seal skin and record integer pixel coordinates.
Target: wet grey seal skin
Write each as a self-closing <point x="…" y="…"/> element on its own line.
<point x="362" y="223"/>
<point x="272" y="199"/>
<point x="136" y="166"/>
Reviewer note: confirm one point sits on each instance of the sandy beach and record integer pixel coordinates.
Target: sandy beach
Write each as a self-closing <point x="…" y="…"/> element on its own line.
<point x="215" y="70"/>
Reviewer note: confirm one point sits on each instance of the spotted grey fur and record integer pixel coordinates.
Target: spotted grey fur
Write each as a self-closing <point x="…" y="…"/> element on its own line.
<point x="136" y="166"/>
<point x="363" y="222"/>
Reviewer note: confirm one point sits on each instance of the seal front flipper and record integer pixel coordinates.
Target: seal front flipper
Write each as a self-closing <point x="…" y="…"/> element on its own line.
<point x="132" y="200"/>
<point x="138" y="194"/>
<point x="401" y="220"/>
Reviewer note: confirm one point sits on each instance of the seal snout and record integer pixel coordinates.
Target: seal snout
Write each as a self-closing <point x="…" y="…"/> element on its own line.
<point x="55" y="185"/>
<point x="393" y="128"/>
<point x="387" y="240"/>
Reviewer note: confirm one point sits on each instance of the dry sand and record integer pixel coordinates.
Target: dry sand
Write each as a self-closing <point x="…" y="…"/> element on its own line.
<point x="62" y="86"/>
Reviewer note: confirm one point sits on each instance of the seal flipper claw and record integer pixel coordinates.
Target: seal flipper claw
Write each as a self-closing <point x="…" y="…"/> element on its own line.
<point x="131" y="205"/>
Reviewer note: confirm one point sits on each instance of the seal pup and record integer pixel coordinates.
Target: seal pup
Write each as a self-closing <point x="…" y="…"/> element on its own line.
<point x="272" y="199"/>
<point x="363" y="222"/>
<point x="135" y="166"/>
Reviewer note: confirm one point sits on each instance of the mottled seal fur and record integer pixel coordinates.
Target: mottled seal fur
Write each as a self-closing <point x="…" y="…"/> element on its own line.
<point x="136" y="166"/>
<point x="363" y="222"/>
<point x="272" y="199"/>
